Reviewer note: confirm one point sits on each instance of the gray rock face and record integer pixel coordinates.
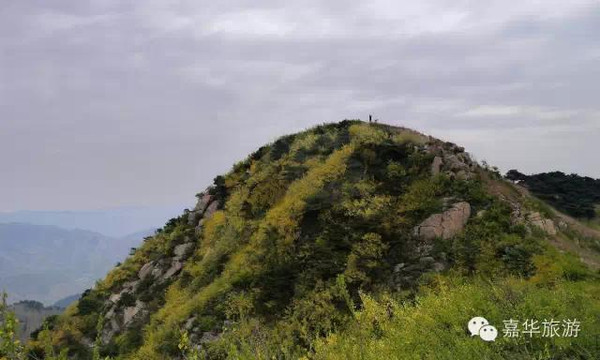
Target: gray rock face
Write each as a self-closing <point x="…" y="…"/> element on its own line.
<point x="211" y="209"/>
<point x="114" y="298"/>
<point x="129" y="313"/>
<point x="205" y="200"/>
<point x="455" y="163"/>
<point x="174" y="269"/>
<point x="145" y="270"/>
<point x="399" y="267"/>
<point x="436" y="165"/>
<point x="547" y="225"/>
<point x="444" y="225"/>
<point x="534" y="219"/>
<point x="206" y="206"/>
<point x="164" y="269"/>
<point x="451" y="160"/>
<point x="181" y="250"/>
<point x="463" y="175"/>
<point x="128" y="287"/>
<point x="157" y="271"/>
<point x="110" y="329"/>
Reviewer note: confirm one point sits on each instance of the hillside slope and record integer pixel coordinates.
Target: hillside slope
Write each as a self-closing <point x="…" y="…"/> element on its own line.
<point x="348" y="240"/>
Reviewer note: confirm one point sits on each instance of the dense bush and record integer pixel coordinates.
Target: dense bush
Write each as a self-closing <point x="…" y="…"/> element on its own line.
<point x="434" y="327"/>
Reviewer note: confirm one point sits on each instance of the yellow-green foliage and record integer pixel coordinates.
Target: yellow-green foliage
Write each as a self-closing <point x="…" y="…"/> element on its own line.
<point x="283" y="219"/>
<point x="365" y="134"/>
<point x="406" y="137"/>
<point x="10" y="346"/>
<point x="435" y="327"/>
<point x="422" y="195"/>
<point x="285" y="216"/>
<point x="365" y="256"/>
<point x="553" y="267"/>
<point x="304" y="142"/>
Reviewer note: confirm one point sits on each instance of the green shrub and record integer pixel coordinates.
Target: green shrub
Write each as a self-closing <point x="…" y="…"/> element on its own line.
<point x="435" y="327"/>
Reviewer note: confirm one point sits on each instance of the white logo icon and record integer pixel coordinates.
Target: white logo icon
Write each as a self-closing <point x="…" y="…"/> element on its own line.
<point x="488" y="333"/>
<point x="477" y="323"/>
<point x="480" y="326"/>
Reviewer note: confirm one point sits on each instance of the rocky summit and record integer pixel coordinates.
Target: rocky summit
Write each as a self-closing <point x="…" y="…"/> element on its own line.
<point x="348" y="240"/>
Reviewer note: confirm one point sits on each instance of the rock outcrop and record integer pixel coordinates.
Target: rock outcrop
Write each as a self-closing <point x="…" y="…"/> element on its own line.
<point x="533" y="219"/>
<point x="451" y="160"/>
<point x="436" y="165"/>
<point x="444" y="225"/>
<point x="124" y="306"/>
<point x="206" y="206"/>
<point x="547" y="225"/>
<point x="130" y="312"/>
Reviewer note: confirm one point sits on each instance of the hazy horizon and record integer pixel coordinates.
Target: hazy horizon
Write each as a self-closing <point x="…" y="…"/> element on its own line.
<point x="115" y="222"/>
<point x="106" y="104"/>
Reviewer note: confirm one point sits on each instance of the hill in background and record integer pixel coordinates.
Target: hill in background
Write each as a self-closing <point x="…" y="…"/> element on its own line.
<point x="575" y="195"/>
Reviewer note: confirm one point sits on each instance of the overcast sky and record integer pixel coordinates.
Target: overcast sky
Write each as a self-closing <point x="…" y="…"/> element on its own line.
<point x="110" y="103"/>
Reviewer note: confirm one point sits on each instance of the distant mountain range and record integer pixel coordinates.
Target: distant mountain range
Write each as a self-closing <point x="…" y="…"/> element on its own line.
<point x="117" y="222"/>
<point x="48" y="263"/>
<point x="66" y="301"/>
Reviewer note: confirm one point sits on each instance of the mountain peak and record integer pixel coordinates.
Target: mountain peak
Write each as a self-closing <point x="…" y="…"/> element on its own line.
<point x="286" y="248"/>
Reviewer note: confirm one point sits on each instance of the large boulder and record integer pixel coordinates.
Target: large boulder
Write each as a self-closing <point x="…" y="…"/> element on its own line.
<point x="455" y="163"/>
<point x="203" y="201"/>
<point x="145" y="270"/>
<point x="445" y="225"/>
<point x="206" y="206"/>
<point x="211" y="209"/>
<point x="546" y="225"/>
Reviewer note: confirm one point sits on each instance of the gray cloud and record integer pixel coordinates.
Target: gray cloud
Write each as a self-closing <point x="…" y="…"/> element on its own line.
<point x="117" y="103"/>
